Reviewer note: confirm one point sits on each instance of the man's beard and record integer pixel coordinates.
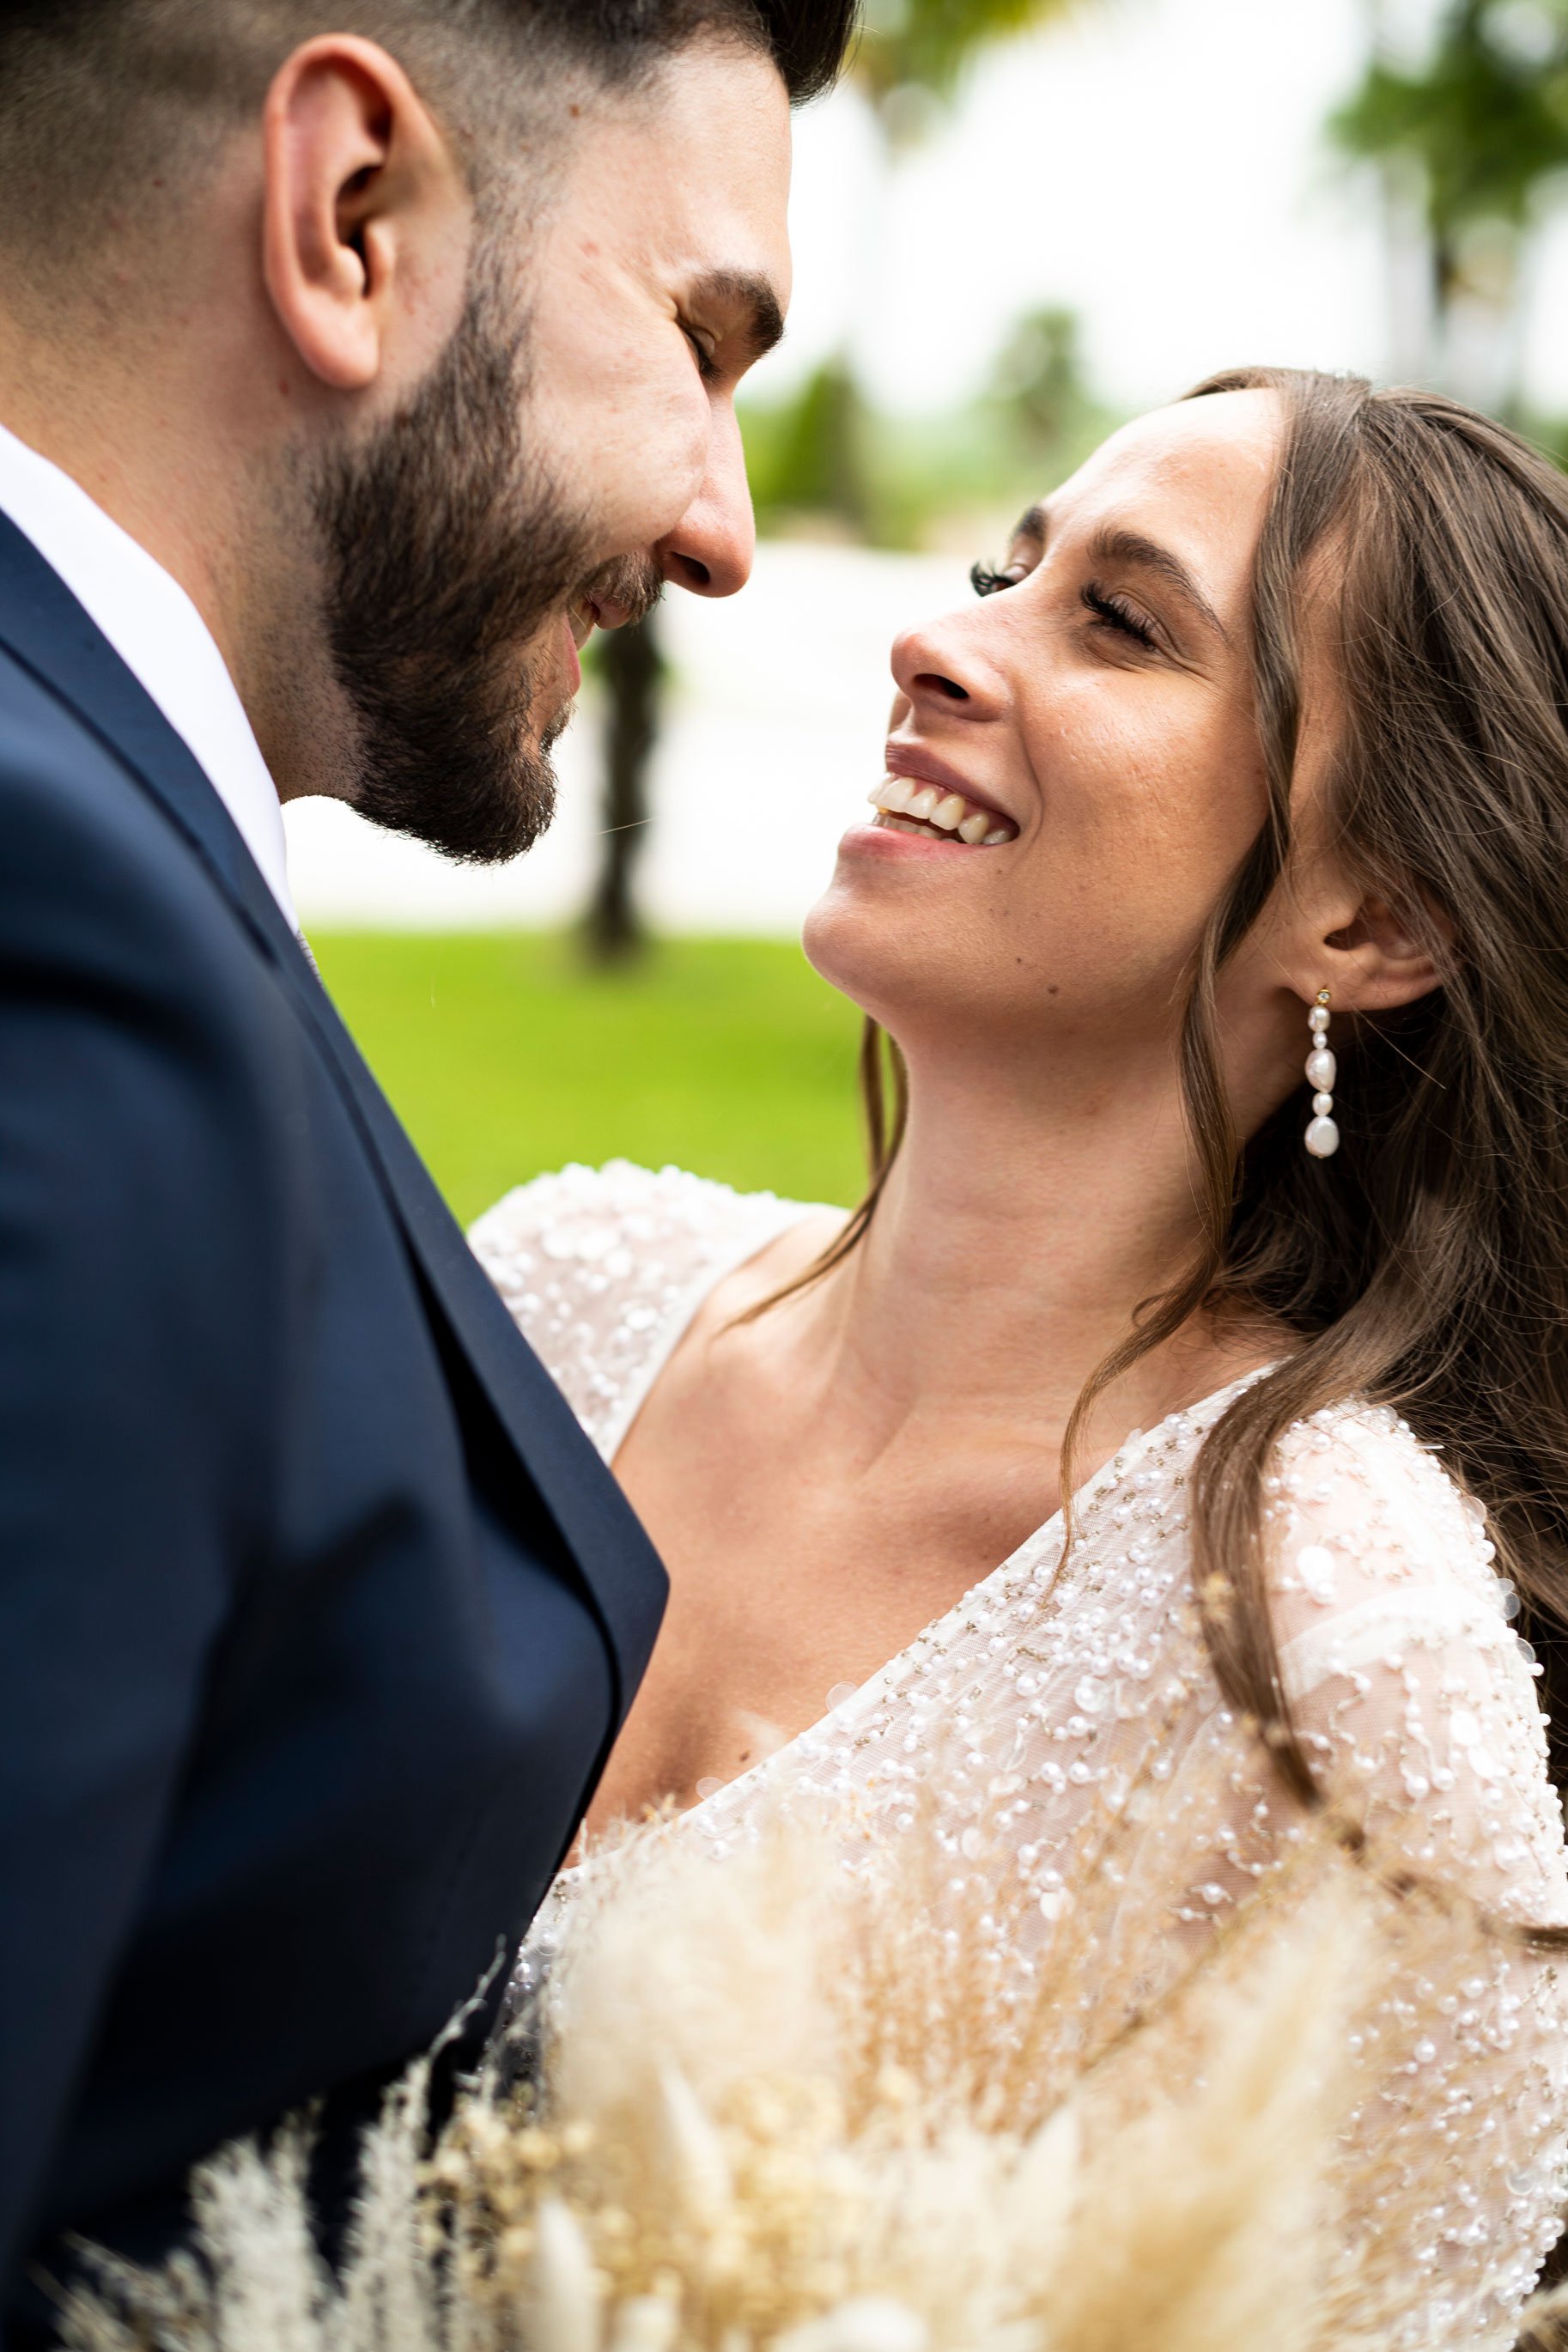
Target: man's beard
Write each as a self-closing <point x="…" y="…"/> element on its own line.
<point x="446" y="549"/>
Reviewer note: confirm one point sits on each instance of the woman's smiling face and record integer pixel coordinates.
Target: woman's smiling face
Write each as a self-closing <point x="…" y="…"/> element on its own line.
<point x="1094" y="709"/>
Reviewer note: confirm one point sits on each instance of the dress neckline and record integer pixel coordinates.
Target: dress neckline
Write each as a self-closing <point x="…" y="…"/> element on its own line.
<point x="742" y="1248"/>
<point x="1025" y="1558"/>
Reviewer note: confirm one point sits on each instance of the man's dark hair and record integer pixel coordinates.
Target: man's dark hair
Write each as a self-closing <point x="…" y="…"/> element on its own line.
<point x="108" y="106"/>
<point x="807" y="39"/>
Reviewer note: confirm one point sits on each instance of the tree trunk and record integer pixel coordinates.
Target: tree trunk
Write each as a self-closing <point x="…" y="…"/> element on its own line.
<point x="632" y="669"/>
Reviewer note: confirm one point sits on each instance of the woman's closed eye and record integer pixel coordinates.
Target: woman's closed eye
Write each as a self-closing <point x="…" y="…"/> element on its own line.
<point x="1109" y="608"/>
<point x="1112" y="611"/>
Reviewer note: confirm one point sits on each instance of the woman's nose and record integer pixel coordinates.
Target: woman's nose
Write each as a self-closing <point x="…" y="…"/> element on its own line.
<point x="710" y="549"/>
<point x="936" y="671"/>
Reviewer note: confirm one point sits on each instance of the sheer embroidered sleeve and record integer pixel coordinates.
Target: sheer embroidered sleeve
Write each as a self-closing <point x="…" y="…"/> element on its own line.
<point x="1415" y="1694"/>
<point x="1418" y="1702"/>
<point x="604" y="1267"/>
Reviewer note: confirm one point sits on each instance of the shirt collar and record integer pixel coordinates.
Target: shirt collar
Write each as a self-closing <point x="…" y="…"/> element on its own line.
<point x="160" y="636"/>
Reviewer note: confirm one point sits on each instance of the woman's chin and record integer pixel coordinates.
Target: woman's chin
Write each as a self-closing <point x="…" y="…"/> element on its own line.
<point x="880" y="870"/>
<point x="834" y="941"/>
<point x="856" y="945"/>
<point x="816" y="936"/>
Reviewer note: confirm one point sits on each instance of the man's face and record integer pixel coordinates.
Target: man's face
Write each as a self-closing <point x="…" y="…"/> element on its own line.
<point x="574" y="447"/>
<point x="663" y="273"/>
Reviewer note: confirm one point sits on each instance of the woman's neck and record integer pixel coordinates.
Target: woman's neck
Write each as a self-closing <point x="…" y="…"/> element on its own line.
<point x="1018" y="1231"/>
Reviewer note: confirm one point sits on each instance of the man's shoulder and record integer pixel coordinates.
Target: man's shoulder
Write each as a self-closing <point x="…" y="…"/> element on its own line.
<point x="92" y="866"/>
<point x="58" y="775"/>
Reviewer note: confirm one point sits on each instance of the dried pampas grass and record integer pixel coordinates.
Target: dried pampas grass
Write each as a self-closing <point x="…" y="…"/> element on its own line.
<point x="792" y="2105"/>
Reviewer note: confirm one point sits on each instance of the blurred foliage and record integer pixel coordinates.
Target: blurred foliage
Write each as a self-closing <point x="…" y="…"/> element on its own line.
<point x="814" y="456"/>
<point x="828" y="461"/>
<point x="911" y="55"/>
<point x="505" y="1054"/>
<point x="1550" y="435"/>
<point x="1484" y="121"/>
<point x="1473" y="142"/>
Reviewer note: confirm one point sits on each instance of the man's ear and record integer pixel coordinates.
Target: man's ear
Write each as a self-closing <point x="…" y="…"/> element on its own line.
<point x="1376" y="960"/>
<point x="364" y="210"/>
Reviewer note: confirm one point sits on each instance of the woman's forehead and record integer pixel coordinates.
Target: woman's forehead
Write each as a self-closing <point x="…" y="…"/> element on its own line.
<point x="1218" y="452"/>
<point x="1196" y="478"/>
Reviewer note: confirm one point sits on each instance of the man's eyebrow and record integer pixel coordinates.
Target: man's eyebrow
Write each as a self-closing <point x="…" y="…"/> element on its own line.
<point x="1117" y="546"/>
<point x="747" y="296"/>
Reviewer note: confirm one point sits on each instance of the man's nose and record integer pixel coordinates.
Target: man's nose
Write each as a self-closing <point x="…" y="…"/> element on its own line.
<point x="710" y="549"/>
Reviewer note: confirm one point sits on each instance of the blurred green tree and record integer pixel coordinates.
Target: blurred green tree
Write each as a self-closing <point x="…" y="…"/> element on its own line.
<point x="630" y="664"/>
<point x="814" y="459"/>
<point x="1038" y="380"/>
<point x="1036" y="417"/>
<point x="926" y="47"/>
<point x="909" y="63"/>
<point x="1477" y="133"/>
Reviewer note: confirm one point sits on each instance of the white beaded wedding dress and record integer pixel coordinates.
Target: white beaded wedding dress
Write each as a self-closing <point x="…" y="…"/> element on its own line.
<point x="1056" y="1684"/>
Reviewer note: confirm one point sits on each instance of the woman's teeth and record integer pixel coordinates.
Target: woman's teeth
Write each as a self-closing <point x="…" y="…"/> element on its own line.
<point x="905" y="807"/>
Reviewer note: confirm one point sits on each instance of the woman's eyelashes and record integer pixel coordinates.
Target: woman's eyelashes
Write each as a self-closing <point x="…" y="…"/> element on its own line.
<point x="1110" y="609"/>
<point x="1115" y="613"/>
<point x="987" y="580"/>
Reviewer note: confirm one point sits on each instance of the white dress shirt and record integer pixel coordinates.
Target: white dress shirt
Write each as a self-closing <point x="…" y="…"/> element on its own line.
<point x="159" y="635"/>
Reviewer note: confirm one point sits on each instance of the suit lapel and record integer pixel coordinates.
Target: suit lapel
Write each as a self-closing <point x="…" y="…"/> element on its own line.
<point x="48" y="631"/>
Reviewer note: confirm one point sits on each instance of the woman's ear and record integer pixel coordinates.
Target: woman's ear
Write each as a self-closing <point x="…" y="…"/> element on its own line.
<point x="364" y="210"/>
<point x="1377" y="961"/>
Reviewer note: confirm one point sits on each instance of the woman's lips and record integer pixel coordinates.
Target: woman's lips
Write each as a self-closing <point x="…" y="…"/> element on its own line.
<point x="878" y="839"/>
<point x="920" y="766"/>
<point x="905" y="804"/>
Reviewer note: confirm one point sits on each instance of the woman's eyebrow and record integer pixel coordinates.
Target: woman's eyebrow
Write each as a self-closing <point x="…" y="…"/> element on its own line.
<point x="1113" y="545"/>
<point x="1031" y="527"/>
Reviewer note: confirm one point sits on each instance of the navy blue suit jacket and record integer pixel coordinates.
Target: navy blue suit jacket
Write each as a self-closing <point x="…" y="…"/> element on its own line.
<point x="318" y="1612"/>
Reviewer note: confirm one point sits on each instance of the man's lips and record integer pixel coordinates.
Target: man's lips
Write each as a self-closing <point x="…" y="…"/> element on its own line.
<point x="581" y="617"/>
<point x="578" y="624"/>
<point x="570" y="642"/>
<point x="586" y="615"/>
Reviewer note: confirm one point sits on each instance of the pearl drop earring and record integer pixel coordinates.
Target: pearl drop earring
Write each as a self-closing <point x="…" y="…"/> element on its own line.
<point x="1322" y="1136"/>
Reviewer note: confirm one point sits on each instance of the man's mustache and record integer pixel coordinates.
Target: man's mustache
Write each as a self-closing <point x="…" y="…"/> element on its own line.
<point x="633" y="582"/>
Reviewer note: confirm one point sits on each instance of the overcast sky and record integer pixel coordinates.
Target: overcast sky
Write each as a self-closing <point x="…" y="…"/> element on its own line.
<point x="1159" y="165"/>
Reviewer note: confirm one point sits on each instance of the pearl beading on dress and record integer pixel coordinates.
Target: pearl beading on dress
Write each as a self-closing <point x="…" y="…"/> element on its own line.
<point x="1062" y="1684"/>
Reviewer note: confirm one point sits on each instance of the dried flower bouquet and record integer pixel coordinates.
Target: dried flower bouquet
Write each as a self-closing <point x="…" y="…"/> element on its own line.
<point x="790" y="2103"/>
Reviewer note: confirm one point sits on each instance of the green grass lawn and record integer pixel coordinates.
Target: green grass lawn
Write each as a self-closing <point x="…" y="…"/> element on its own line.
<point x="504" y="1055"/>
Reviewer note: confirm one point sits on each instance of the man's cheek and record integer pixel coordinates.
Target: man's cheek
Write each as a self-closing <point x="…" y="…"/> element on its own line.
<point x="644" y="473"/>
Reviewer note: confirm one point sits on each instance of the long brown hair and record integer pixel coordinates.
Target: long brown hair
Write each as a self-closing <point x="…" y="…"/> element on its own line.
<point x="1425" y="1266"/>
